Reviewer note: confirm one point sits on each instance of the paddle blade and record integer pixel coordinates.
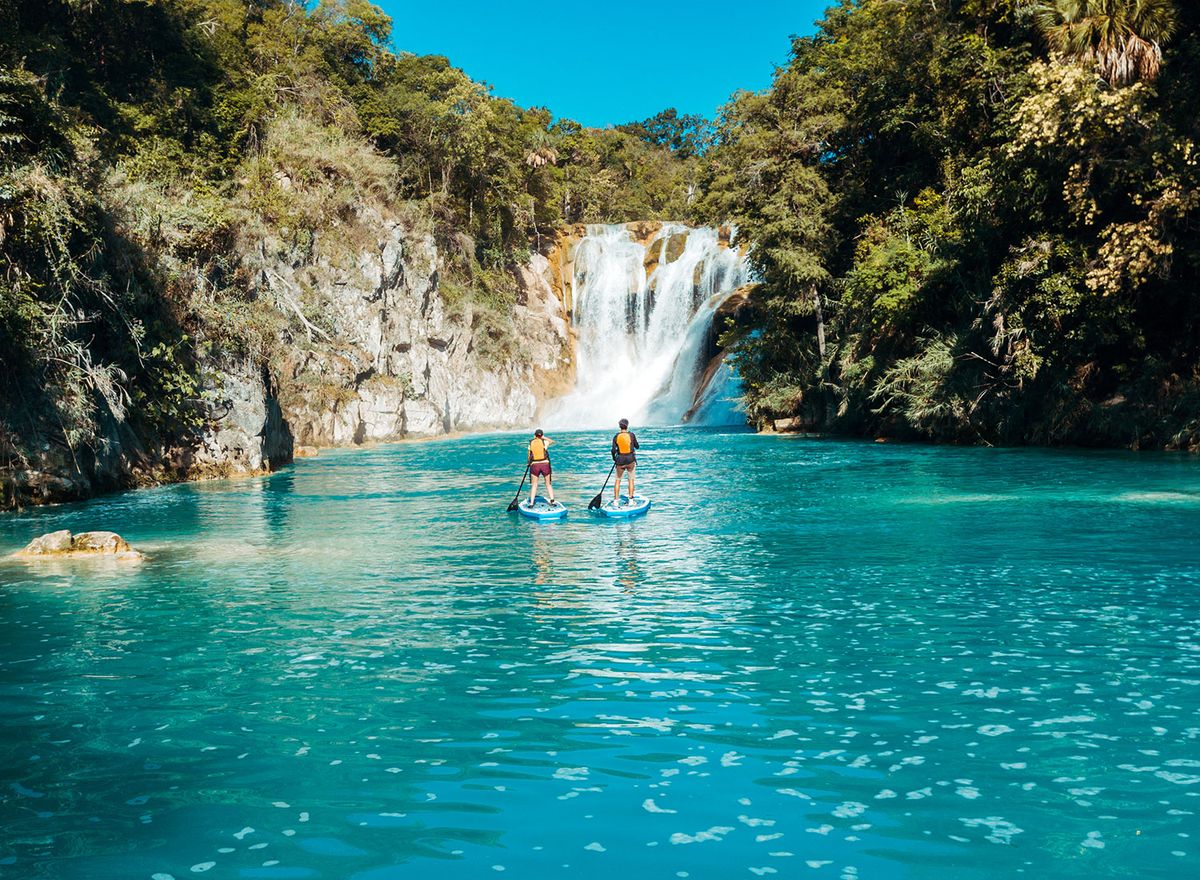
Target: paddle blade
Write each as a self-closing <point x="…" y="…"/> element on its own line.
<point x="512" y="505"/>
<point x="596" y="502"/>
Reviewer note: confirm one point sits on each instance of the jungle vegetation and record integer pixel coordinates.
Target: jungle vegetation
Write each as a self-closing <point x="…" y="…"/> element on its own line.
<point x="975" y="221"/>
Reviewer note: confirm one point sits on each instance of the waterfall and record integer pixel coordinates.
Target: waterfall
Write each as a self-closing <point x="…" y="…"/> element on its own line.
<point x="643" y="316"/>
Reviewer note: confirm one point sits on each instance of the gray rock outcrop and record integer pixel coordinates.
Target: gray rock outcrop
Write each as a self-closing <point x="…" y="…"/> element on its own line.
<point x="377" y="346"/>
<point x="246" y="432"/>
<point x="393" y="358"/>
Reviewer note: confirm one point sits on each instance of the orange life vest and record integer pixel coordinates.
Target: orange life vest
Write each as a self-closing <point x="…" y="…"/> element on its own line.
<point x="537" y="449"/>
<point x="624" y="443"/>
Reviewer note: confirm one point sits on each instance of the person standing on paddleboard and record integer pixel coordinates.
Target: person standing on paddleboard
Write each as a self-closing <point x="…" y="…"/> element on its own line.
<point x="539" y="465"/>
<point x="624" y="456"/>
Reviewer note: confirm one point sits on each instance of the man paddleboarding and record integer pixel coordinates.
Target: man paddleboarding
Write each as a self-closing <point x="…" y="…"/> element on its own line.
<point x="624" y="457"/>
<point x="539" y="465"/>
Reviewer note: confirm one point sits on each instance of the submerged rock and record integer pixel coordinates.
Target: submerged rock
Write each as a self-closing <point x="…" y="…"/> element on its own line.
<point x="63" y="543"/>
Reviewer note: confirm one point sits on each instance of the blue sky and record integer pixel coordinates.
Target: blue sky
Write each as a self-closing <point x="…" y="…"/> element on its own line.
<point x="608" y="62"/>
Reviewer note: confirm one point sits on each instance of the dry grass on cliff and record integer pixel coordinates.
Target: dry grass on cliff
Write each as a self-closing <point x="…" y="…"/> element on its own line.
<point x="303" y="191"/>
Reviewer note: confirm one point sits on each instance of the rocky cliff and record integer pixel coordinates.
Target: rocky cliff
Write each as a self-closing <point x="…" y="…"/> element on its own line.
<point x="387" y="355"/>
<point x="398" y="360"/>
<point x="377" y="348"/>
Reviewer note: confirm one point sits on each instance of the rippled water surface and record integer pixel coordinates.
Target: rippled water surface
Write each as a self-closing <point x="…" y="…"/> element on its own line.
<point x="811" y="659"/>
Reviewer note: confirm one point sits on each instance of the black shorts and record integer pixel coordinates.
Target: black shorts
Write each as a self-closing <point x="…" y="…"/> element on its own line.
<point x="625" y="460"/>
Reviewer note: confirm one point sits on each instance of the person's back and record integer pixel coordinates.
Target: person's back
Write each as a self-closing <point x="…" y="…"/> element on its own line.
<point x="624" y="456"/>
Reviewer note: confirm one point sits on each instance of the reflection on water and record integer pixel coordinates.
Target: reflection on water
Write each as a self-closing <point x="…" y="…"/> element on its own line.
<point x="868" y="662"/>
<point x="542" y="555"/>
<point x="628" y="573"/>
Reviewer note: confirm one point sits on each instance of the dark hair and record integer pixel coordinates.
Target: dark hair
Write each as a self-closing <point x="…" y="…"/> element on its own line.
<point x="624" y="423"/>
<point x="537" y="433"/>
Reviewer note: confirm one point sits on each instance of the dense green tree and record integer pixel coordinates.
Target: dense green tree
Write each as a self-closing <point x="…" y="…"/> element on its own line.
<point x="686" y="136"/>
<point x="1003" y="242"/>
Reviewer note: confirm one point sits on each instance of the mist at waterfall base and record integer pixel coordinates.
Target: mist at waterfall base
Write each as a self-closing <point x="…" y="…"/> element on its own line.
<point x="645" y="338"/>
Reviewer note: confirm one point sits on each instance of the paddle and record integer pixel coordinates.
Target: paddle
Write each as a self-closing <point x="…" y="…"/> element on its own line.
<point x="599" y="499"/>
<point x="513" y="504"/>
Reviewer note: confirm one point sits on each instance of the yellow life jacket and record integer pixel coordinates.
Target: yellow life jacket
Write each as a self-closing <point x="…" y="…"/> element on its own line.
<point x="537" y="449"/>
<point x="624" y="443"/>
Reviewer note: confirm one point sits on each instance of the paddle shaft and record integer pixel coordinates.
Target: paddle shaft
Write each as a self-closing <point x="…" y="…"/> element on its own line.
<point x="598" y="500"/>
<point x="513" y="504"/>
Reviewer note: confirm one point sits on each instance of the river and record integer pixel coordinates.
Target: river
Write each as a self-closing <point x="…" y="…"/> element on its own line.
<point x="811" y="658"/>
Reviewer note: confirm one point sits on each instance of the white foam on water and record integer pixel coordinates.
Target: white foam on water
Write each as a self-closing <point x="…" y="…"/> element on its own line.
<point x="712" y="834"/>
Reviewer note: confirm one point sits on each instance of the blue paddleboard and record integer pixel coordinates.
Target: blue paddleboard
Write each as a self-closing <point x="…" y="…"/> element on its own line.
<point x="542" y="509"/>
<point x="624" y="507"/>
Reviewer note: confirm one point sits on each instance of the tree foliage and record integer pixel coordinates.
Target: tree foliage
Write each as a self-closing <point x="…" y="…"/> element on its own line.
<point x="995" y="204"/>
<point x="1124" y="38"/>
<point x="685" y="136"/>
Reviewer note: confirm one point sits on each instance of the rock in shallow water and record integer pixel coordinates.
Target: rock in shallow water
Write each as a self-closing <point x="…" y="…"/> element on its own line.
<point x="63" y="543"/>
<point x="52" y="542"/>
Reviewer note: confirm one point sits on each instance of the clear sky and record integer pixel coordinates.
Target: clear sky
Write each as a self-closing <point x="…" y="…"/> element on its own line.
<point x="608" y="62"/>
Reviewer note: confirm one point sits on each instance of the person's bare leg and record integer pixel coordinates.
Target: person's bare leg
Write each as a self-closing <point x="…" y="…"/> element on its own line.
<point x="549" y="489"/>
<point x="533" y="488"/>
<point x="631" y="472"/>
<point x="617" y="484"/>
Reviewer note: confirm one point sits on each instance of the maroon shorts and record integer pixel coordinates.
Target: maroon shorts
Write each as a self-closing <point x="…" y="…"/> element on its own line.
<point x="540" y="469"/>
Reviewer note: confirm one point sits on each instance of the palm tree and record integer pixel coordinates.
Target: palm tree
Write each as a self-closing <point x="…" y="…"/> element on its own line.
<point x="540" y="155"/>
<point x="1123" y="37"/>
<point x="542" y="151"/>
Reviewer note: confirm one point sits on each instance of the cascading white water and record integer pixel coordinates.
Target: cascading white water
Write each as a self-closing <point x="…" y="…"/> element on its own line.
<point x="642" y="339"/>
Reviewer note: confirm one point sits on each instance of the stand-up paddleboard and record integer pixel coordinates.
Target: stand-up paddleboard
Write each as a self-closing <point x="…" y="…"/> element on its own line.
<point x="542" y="509"/>
<point x="625" y="507"/>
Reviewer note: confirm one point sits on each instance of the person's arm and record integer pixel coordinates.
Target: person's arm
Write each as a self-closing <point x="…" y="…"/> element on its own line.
<point x="614" y="448"/>
<point x="549" y="442"/>
<point x="529" y="454"/>
<point x="633" y="437"/>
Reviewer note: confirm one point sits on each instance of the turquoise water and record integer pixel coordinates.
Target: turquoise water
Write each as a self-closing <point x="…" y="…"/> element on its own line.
<point x="811" y="659"/>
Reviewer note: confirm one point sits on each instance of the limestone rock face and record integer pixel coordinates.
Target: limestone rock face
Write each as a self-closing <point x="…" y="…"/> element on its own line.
<point x="397" y="361"/>
<point x="244" y="433"/>
<point x="63" y="543"/>
<point x="51" y="472"/>
<point x="247" y="433"/>
<point x="542" y="319"/>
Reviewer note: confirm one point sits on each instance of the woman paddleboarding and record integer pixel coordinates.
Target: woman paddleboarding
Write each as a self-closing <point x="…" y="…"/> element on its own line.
<point x="539" y="465"/>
